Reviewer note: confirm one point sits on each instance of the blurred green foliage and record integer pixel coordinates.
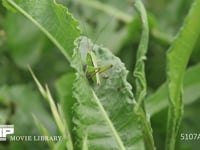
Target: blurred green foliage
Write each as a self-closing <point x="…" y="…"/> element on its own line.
<point x="22" y="43"/>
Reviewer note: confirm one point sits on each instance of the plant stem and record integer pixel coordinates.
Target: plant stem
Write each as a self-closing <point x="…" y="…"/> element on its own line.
<point x="177" y="59"/>
<point x="139" y="74"/>
<point x="126" y="18"/>
<point x="108" y="9"/>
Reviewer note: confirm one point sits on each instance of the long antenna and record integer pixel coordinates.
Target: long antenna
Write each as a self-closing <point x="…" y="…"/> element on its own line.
<point x="102" y="29"/>
<point x="86" y="33"/>
<point x="98" y="34"/>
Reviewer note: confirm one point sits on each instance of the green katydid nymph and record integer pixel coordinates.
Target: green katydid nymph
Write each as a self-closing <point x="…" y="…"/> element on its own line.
<point x="92" y="70"/>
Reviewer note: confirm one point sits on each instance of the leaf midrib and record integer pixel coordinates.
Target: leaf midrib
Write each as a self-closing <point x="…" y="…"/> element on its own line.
<point x="109" y="122"/>
<point x="40" y="27"/>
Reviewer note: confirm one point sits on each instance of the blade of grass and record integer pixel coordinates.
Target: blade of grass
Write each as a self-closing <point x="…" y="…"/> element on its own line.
<point x="58" y="118"/>
<point x="41" y="89"/>
<point x="63" y="128"/>
<point x="67" y="134"/>
<point x="139" y="74"/>
<point x="177" y="59"/>
<point x="44" y="131"/>
<point x="55" y="112"/>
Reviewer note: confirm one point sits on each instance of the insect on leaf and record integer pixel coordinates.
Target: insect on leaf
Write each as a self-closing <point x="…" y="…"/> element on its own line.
<point x="92" y="66"/>
<point x="104" y="113"/>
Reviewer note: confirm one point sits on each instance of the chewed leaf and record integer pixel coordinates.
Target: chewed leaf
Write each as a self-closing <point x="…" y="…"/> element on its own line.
<point x="105" y="112"/>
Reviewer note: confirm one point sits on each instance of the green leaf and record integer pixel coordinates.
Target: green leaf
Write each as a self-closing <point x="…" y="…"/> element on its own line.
<point x="85" y="141"/>
<point x="64" y="89"/>
<point x="177" y="59"/>
<point x="8" y="6"/>
<point x="140" y="78"/>
<point x="57" y="113"/>
<point x="191" y="85"/>
<point x="61" y="145"/>
<point x="53" y="19"/>
<point x="190" y="125"/>
<point x="25" y="40"/>
<point x="104" y="112"/>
